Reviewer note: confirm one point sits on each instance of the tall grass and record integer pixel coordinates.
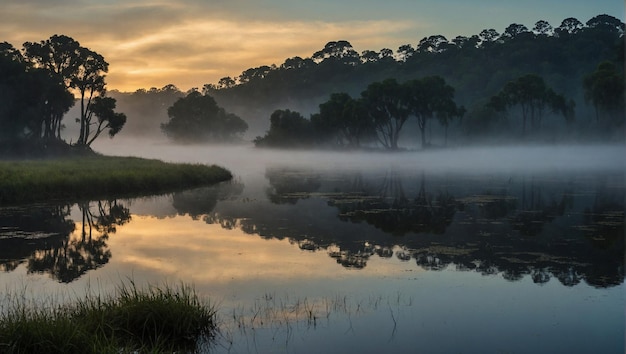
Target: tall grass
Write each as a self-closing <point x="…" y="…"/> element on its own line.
<point x="92" y="177"/>
<point x="152" y="319"/>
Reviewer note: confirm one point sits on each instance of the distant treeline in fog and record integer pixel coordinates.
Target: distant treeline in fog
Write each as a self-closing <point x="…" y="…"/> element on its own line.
<point x="571" y="59"/>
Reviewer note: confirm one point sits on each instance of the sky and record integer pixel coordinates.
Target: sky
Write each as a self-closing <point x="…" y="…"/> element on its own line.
<point x="189" y="43"/>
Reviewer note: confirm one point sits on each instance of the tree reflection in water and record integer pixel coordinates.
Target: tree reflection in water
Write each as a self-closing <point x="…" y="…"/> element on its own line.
<point x="518" y="227"/>
<point x="47" y="243"/>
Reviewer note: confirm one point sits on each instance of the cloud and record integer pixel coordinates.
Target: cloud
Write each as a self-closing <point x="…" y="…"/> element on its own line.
<point x="194" y="53"/>
<point x="187" y="43"/>
<point x="192" y="42"/>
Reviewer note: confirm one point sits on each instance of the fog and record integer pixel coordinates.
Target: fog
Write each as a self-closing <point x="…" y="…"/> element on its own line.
<point x="245" y="159"/>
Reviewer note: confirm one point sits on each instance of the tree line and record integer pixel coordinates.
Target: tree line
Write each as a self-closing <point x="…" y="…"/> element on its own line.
<point x="479" y="67"/>
<point x="517" y="83"/>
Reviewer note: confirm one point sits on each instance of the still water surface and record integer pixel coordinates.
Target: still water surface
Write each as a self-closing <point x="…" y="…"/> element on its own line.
<point x="517" y="250"/>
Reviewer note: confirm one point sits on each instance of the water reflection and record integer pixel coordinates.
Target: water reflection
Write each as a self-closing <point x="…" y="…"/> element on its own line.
<point x="45" y="238"/>
<point x="527" y="226"/>
<point x="541" y="227"/>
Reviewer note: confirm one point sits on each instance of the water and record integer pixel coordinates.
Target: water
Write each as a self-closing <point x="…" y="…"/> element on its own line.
<point x="517" y="250"/>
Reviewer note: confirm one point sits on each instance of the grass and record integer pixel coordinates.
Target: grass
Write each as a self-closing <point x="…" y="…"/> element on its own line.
<point x="96" y="176"/>
<point x="152" y="319"/>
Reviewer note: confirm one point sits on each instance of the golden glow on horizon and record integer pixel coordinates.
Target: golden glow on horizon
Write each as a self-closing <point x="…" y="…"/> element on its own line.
<point x="188" y="43"/>
<point x="197" y="53"/>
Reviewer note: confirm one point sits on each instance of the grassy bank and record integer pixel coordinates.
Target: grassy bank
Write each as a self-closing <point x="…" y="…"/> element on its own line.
<point x="152" y="319"/>
<point x="95" y="176"/>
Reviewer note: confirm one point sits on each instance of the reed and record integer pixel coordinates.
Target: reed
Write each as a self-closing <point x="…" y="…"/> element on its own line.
<point x="155" y="319"/>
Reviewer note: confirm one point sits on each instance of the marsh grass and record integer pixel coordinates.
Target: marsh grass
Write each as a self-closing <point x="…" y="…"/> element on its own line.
<point x="154" y="319"/>
<point x="96" y="176"/>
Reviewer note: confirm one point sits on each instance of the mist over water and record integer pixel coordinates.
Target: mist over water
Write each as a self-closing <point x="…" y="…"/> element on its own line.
<point x="246" y="159"/>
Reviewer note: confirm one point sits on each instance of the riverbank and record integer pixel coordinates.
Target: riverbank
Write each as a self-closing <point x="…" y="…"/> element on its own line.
<point x="94" y="176"/>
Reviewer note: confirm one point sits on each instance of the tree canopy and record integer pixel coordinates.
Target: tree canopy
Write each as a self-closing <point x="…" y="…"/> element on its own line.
<point x="197" y="118"/>
<point x="38" y="85"/>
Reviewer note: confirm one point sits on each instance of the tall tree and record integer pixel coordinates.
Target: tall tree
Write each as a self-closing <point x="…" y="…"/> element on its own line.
<point x="34" y="100"/>
<point x="604" y="88"/>
<point x="531" y="94"/>
<point x="345" y="118"/>
<point x="287" y="129"/>
<point x="341" y="51"/>
<point x="103" y="108"/>
<point x="387" y="108"/>
<point x="78" y="67"/>
<point x="431" y="97"/>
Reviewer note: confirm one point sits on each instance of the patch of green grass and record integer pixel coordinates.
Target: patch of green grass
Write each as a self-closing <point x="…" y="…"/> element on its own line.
<point x="153" y="319"/>
<point x="93" y="177"/>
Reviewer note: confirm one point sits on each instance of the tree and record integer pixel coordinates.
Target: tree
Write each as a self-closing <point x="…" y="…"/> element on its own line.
<point x="369" y="56"/>
<point x="33" y="100"/>
<point x="226" y="82"/>
<point x="489" y="35"/>
<point x="532" y="95"/>
<point x="543" y="28"/>
<point x="103" y="108"/>
<point x="431" y="97"/>
<point x="343" y="117"/>
<point x="604" y="88"/>
<point x="405" y="51"/>
<point x="198" y="118"/>
<point x="606" y="22"/>
<point x="514" y="30"/>
<point x="78" y="67"/>
<point x="569" y="25"/>
<point x="386" y="106"/>
<point x="287" y="128"/>
<point x="340" y="51"/>
<point x="433" y="44"/>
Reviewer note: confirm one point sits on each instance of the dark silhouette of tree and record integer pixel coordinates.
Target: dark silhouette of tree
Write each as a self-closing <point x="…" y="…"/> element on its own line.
<point x="513" y="31"/>
<point x="287" y="128"/>
<point x="339" y="51"/>
<point x="345" y="119"/>
<point x="103" y="108"/>
<point x="431" y="97"/>
<point x="543" y="28"/>
<point x="488" y="36"/>
<point x="569" y="26"/>
<point x="405" y="52"/>
<point x="604" y="88"/>
<point x="79" y="68"/>
<point x="386" y="106"/>
<point x="433" y="44"/>
<point x="33" y="100"/>
<point x="198" y="118"/>
<point x="533" y="96"/>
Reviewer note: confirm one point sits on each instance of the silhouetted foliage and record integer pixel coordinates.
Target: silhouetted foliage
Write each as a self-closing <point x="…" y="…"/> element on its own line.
<point x="532" y="96"/>
<point x="604" y="88"/>
<point x="287" y="128"/>
<point x="37" y="86"/>
<point x="477" y="66"/>
<point x="198" y="118"/>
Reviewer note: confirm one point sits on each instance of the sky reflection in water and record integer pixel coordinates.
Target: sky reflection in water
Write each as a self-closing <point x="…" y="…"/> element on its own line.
<point x="315" y="260"/>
